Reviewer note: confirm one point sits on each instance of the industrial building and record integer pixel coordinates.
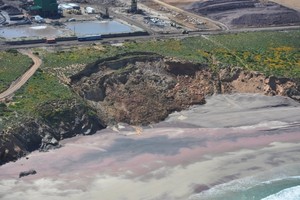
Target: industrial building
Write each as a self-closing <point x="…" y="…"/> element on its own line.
<point x="44" y="8"/>
<point x="134" y="8"/>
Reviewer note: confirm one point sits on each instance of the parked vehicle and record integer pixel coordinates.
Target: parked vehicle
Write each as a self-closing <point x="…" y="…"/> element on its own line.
<point x="50" y="40"/>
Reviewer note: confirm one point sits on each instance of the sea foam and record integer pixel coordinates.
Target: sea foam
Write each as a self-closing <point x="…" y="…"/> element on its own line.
<point x="292" y="193"/>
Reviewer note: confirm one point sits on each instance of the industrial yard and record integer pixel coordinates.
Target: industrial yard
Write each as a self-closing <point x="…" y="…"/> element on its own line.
<point x="98" y="97"/>
<point x="40" y="20"/>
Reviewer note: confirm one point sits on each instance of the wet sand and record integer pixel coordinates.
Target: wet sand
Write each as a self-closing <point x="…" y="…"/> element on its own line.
<point x="229" y="138"/>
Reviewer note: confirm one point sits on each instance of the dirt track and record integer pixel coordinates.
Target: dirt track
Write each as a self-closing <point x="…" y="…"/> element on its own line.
<point x="24" y="78"/>
<point x="246" y="13"/>
<point x="293" y="4"/>
<point x="212" y="23"/>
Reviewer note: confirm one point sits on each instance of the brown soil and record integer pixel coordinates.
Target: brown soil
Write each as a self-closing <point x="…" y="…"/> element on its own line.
<point x="144" y="89"/>
<point x="293" y="4"/>
<point x="180" y="16"/>
<point x="136" y="88"/>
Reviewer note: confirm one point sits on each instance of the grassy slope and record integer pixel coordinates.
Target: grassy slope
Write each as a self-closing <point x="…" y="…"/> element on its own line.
<point x="275" y="53"/>
<point x="270" y="52"/>
<point x="12" y="66"/>
<point x="41" y="89"/>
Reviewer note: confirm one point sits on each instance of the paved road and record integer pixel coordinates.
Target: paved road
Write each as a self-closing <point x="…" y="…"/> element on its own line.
<point x="4" y="46"/>
<point x="24" y="78"/>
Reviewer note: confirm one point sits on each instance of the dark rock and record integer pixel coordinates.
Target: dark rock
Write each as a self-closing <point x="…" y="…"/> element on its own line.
<point x="59" y="120"/>
<point x="27" y="173"/>
<point x="49" y="142"/>
<point x="293" y="93"/>
<point x="272" y="82"/>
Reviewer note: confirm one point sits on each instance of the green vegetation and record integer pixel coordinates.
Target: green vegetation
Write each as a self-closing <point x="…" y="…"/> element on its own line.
<point x="172" y="48"/>
<point x="12" y="66"/>
<point x="41" y="89"/>
<point x="273" y="53"/>
<point x="270" y="52"/>
<point x="64" y="58"/>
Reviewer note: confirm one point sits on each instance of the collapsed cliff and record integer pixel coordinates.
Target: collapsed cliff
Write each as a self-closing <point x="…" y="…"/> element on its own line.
<point x="136" y="88"/>
<point x="142" y="88"/>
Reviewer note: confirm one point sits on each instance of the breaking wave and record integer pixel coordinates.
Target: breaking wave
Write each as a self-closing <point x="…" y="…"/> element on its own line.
<point x="292" y="193"/>
<point x="245" y="189"/>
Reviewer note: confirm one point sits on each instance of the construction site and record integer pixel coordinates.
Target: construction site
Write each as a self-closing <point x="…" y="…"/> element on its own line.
<point x="69" y="19"/>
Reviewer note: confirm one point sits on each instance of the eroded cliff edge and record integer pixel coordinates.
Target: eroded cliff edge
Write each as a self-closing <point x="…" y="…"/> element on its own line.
<point x="143" y="88"/>
<point x="136" y="88"/>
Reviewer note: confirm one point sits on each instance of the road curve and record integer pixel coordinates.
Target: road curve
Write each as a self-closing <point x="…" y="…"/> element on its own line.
<point x="17" y="84"/>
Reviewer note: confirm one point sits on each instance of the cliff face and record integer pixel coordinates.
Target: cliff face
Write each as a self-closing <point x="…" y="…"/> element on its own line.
<point x="136" y="88"/>
<point x="66" y="119"/>
<point x="142" y="91"/>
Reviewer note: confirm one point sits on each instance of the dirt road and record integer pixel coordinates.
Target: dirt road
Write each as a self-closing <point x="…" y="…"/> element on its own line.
<point x="214" y="25"/>
<point x="17" y="84"/>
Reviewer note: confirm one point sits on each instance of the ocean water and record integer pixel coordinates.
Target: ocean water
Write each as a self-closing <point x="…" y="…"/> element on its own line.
<point x="286" y="188"/>
<point x="278" y="183"/>
<point x="235" y="147"/>
<point x="288" y="193"/>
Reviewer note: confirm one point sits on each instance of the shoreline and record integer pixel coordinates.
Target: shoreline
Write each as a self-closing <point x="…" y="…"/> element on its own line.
<point x="162" y="162"/>
<point x="198" y="170"/>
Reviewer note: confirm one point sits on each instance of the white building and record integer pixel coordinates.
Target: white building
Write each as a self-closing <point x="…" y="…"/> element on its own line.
<point x="68" y="6"/>
<point x="74" y="6"/>
<point x="89" y="10"/>
<point x="64" y="7"/>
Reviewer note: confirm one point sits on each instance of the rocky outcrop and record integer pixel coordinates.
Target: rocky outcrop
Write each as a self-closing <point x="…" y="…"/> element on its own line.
<point x="136" y="88"/>
<point x="145" y="91"/>
<point x="60" y="120"/>
<point x="49" y="142"/>
<point x="238" y="80"/>
<point x="27" y="173"/>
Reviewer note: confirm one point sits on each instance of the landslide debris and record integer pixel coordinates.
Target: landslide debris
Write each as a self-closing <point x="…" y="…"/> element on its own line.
<point x="143" y="88"/>
<point x="139" y="88"/>
<point x="135" y="88"/>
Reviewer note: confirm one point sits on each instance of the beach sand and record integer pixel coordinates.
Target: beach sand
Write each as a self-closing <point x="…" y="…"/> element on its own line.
<point x="232" y="137"/>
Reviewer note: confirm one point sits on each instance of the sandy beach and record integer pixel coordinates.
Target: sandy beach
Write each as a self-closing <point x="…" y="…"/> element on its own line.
<point x="245" y="138"/>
